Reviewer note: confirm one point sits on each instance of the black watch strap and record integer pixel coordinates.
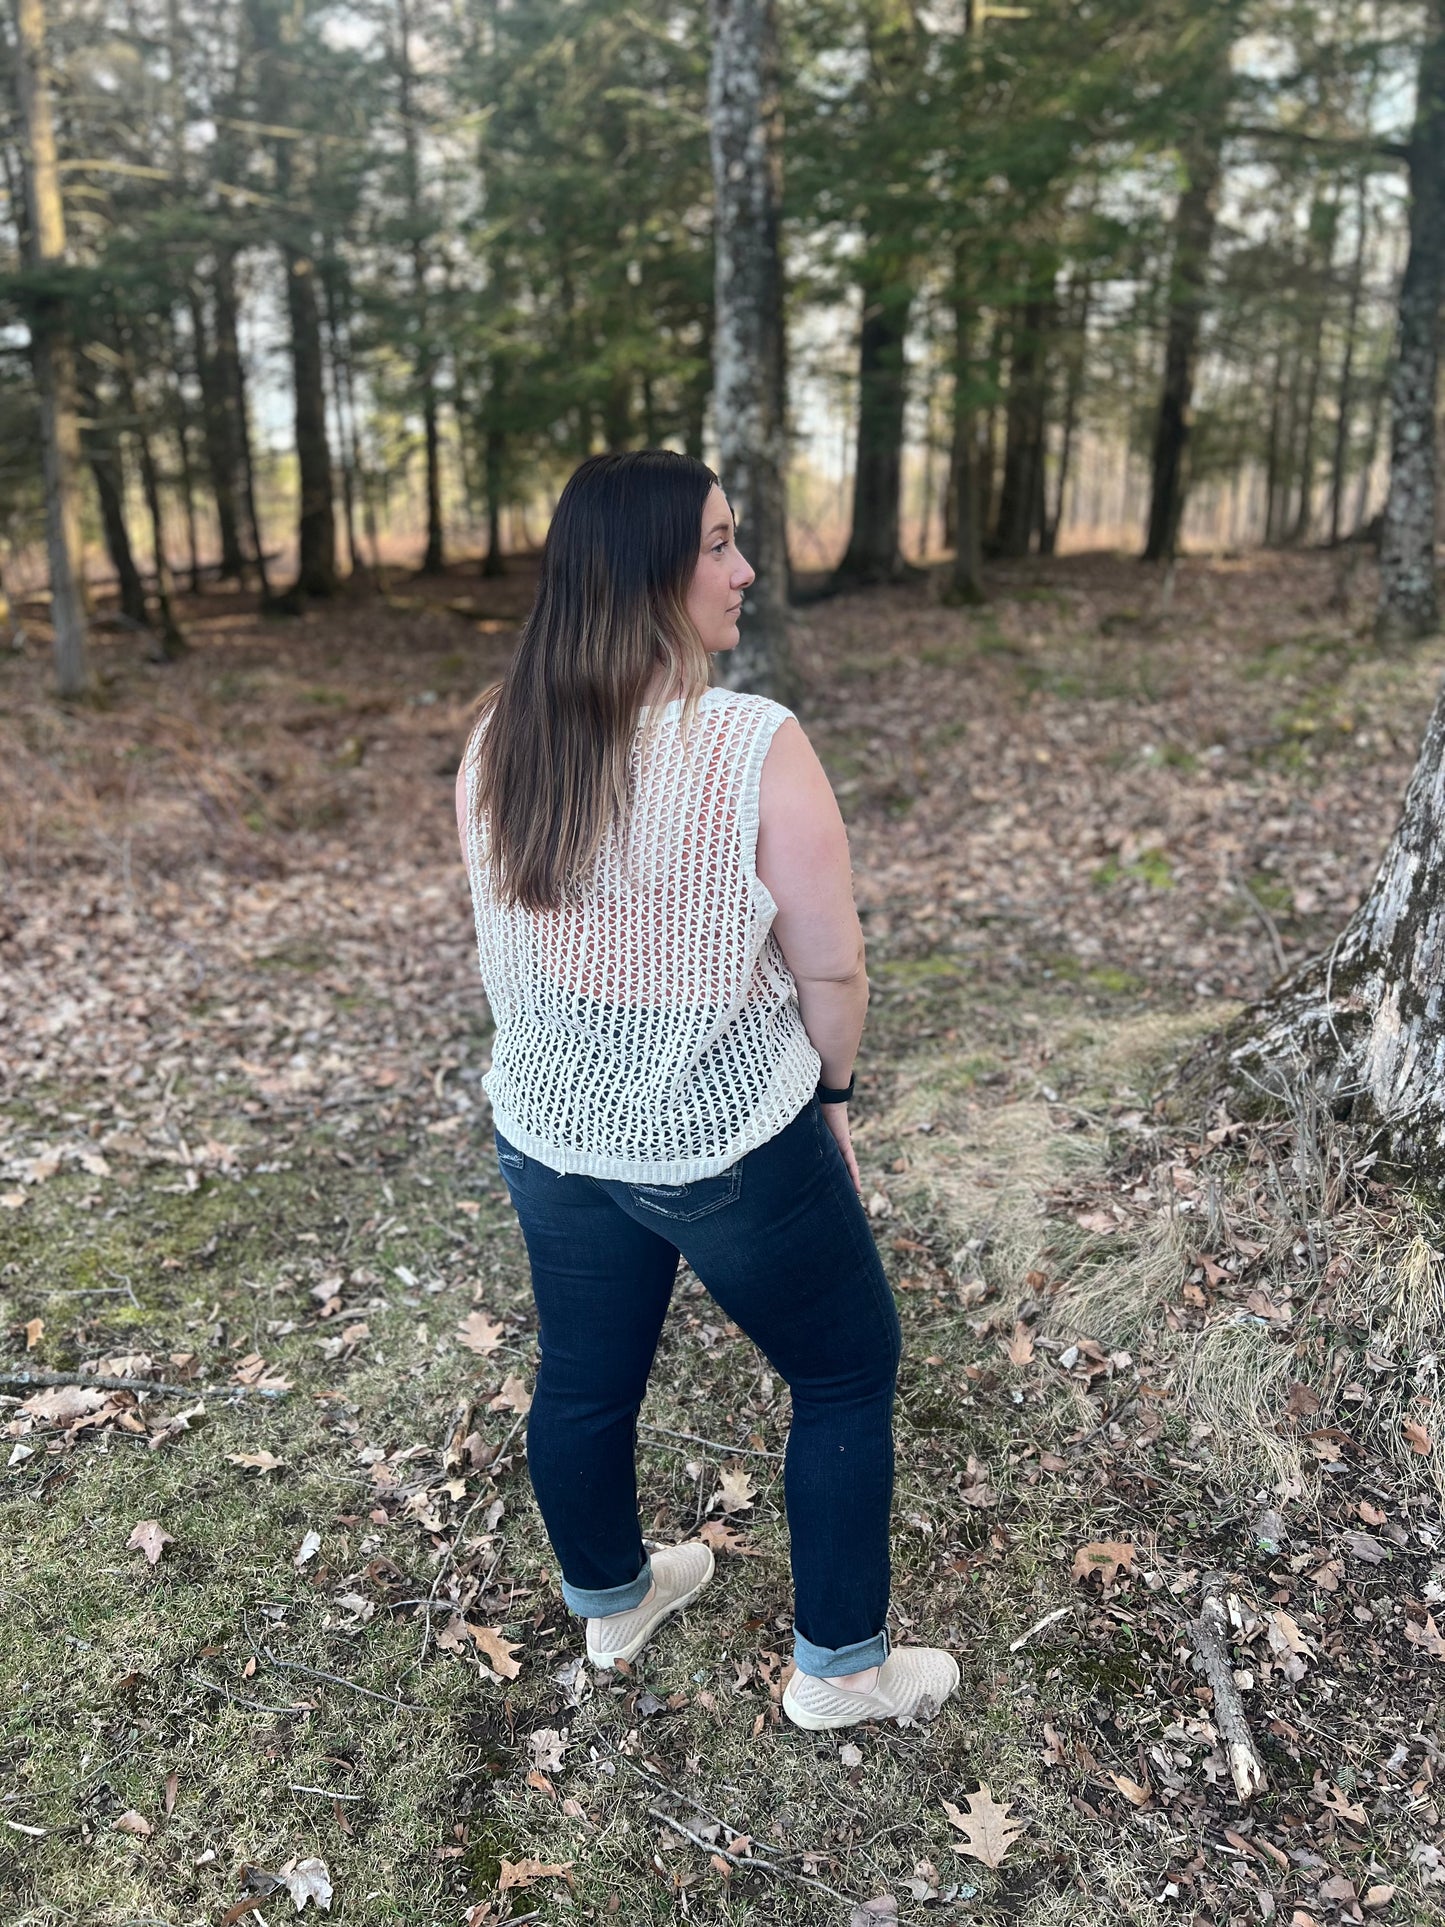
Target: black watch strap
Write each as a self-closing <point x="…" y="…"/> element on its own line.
<point x="827" y="1095"/>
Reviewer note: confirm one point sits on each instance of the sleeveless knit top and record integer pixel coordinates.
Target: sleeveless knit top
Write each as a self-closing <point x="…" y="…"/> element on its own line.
<point x="649" y="1030"/>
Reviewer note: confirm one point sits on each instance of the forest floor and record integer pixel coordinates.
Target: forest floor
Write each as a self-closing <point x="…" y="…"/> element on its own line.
<point x="292" y="1625"/>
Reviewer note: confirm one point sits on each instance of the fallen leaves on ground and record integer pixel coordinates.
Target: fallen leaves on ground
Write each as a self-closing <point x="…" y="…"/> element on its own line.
<point x="522" y="1873"/>
<point x="736" y="1490"/>
<point x="151" y="1538"/>
<point x="1104" y="1556"/>
<point x="479" y="1334"/>
<point x="308" y="1880"/>
<point x="989" y="1829"/>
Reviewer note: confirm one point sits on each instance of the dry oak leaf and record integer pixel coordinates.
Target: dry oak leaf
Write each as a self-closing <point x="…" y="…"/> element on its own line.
<point x="989" y="1829"/>
<point x="1426" y="1636"/>
<point x="1418" y="1437"/>
<point x="513" y="1397"/>
<point x="151" y="1538"/>
<point x="1019" y="1350"/>
<point x="736" y="1490"/>
<point x="521" y="1873"/>
<point x="487" y="1639"/>
<point x="65" y="1402"/>
<point x="1106" y="1556"/>
<point x="255" y="1461"/>
<point x="479" y="1333"/>
<point x="34" y="1332"/>
<point x="308" y="1549"/>
<point x="718" y="1534"/>
<point x="132" y="1822"/>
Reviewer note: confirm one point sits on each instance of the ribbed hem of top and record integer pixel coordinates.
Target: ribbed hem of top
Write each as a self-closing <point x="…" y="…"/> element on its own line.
<point x="784" y="1103"/>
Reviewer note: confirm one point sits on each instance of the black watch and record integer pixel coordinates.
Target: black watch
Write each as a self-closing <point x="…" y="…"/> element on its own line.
<point x="826" y="1095"/>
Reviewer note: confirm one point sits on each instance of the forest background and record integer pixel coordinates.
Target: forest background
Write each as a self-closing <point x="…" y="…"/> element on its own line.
<point x="1073" y="371"/>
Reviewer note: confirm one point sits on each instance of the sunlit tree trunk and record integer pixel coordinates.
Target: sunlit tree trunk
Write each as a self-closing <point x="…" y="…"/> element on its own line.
<point x="1345" y="396"/>
<point x="1409" y="605"/>
<point x="52" y="352"/>
<point x="748" y="346"/>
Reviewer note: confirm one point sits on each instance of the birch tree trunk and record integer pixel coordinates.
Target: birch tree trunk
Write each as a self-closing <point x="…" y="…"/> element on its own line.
<point x="1409" y="605"/>
<point x="745" y="116"/>
<point x="1369" y="1017"/>
<point x="52" y="353"/>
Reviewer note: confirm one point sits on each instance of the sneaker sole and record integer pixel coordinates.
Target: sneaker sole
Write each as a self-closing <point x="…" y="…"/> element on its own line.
<point x="817" y="1723"/>
<point x="630" y="1651"/>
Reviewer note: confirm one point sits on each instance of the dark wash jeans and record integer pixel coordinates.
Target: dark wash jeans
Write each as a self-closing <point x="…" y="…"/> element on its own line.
<point x="783" y="1244"/>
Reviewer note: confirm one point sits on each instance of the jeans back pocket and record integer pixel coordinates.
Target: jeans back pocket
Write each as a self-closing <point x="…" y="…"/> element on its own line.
<point x="511" y="1160"/>
<point x="682" y="1202"/>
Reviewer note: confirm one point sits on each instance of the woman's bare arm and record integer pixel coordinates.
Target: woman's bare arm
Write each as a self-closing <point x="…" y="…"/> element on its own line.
<point x="802" y="857"/>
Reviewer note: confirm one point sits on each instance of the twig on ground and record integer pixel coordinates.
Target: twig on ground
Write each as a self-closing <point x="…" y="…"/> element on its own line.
<point x="330" y="1793"/>
<point x="716" y="1445"/>
<point x="103" y="1382"/>
<point x="239" y="1699"/>
<point x="335" y="1679"/>
<point x="747" y="1864"/>
<point x="1211" y="1633"/>
<point x="1017" y="1645"/>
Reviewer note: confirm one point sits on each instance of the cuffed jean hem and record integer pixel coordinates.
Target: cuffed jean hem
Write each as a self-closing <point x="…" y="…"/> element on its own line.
<point x="609" y="1599"/>
<point x="831" y="1662"/>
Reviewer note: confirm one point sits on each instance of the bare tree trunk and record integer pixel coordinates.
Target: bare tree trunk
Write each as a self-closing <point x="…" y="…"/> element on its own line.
<point x="1369" y="1017"/>
<point x="103" y="449"/>
<point x="1024" y="428"/>
<point x="231" y="377"/>
<point x="272" y="29"/>
<point x="1409" y="605"/>
<point x="172" y="642"/>
<point x="745" y="119"/>
<point x="433" y="560"/>
<point x="53" y="354"/>
<point x="1344" y="401"/>
<point x="345" y="441"/>
<point x="188" y="483"/>
<point x="218" y="426"/>
<point x="1193" y="239"/>
<point x="966" y="578"/>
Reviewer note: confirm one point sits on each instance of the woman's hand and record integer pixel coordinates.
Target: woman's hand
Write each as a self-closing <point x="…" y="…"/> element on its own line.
<point x="835" y="1116"/>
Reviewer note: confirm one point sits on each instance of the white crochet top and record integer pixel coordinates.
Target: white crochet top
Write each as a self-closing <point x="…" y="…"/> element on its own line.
<point x="649" y="1031"/>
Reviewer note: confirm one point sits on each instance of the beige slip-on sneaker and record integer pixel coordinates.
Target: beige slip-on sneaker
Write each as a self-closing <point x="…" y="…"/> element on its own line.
<point x="913" y="1682"/>
<point x="679" y="1574"/>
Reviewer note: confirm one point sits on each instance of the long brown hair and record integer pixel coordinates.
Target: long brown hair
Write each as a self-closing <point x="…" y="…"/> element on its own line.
<point x="610" y="611"/>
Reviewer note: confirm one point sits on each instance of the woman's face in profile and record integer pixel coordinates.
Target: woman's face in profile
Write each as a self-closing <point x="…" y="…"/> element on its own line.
<point x="714" y="597"/>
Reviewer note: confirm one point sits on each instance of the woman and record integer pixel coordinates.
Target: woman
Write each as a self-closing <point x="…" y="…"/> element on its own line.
<point x="668" y="942"/>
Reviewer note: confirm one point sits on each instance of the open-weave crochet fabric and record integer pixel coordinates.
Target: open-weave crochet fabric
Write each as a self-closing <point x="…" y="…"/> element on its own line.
<point x="648" y="1030"/>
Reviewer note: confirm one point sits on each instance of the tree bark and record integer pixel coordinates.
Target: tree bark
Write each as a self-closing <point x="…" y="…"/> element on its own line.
<point x="872" y="554"/>
<point x="1409" y="605"/>
<point x="272" y="31"/>
<point x="102" y="447"/>
<point x="231" y="376"/>
<point x="1024" y="428"/>
<point x="745" y="117"/>
<point x="219" y="435"/>
<point x="1193" y="239"/>
<point x="172" y="642"/>
<point x="1345" y="395"/>
<point x="433" y="560"/>
<point x="1368" y="1018"/>
<point x="965" y="583"/>
<point x="52" y="353"/>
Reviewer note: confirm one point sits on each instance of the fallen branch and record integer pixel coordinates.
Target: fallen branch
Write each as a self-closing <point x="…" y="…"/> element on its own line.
<point x="1017" y="1645"/>
<point x="1211" y="1642"/>
<point x="100" y="1381"/>
<point x="716" y="1445"/>
<point x="748" y="1864"/>
<point x="335" y="1679"/>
